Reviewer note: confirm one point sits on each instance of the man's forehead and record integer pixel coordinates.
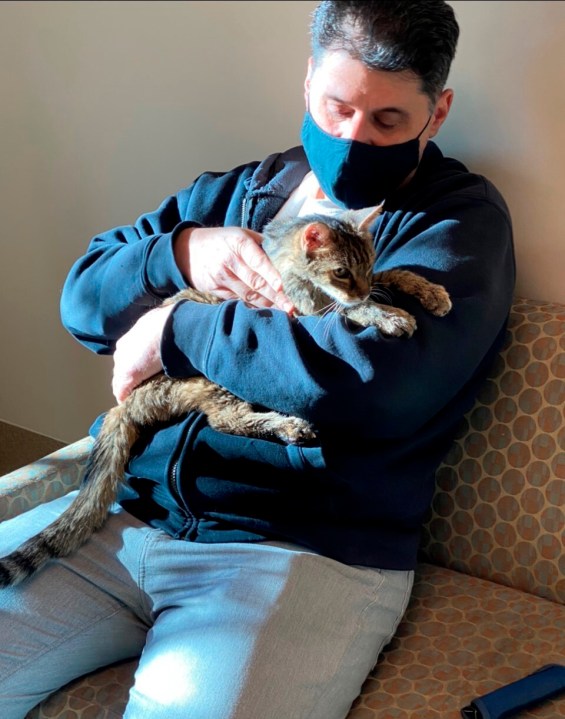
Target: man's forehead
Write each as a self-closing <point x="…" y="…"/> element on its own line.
<point x="345" y="79"/>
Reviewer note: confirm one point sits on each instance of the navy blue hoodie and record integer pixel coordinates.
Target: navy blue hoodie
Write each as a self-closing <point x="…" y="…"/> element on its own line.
<point x="386" y="409"/>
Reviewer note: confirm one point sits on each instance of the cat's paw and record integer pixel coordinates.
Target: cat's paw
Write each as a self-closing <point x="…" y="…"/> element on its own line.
<point x="295" y="431"/>
<point x="436" y="300"/>
<point x="397" y="323"/>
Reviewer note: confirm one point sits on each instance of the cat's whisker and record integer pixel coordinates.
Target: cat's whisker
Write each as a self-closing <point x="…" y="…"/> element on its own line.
<point x="336" y="308"/>
<point x="333" y="320"/>
<point x="332" y="307"/>
<point x="325" y="310"/>
<point x="380" y="293"/>
<point x="323" y="313"/>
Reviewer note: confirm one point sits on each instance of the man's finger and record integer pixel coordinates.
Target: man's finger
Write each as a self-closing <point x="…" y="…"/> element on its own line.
<point x="256" y="269"/>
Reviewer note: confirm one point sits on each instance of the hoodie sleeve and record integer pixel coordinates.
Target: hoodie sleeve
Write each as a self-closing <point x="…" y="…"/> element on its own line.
<point x="342" y="376"/>
<point x="124" y="272"/>
<point x="128" y="270"/>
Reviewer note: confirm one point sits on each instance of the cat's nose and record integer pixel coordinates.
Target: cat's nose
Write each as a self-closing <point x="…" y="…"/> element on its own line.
<point x="363" y="295"/>
<point x="365" y="289"/>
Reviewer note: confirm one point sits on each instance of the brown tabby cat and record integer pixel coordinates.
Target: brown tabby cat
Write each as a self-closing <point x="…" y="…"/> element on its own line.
<point x="325" y="264"/>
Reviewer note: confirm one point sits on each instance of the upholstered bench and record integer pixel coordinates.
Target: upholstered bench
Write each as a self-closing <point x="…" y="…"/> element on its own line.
<point x="487" y="607"/>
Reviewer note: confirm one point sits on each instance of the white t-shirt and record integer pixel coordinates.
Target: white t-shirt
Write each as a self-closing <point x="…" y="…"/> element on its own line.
<point x="308" y="199"/>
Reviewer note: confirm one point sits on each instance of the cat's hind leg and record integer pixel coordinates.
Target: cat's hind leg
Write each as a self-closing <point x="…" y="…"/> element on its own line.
<point x="227" y="413"/>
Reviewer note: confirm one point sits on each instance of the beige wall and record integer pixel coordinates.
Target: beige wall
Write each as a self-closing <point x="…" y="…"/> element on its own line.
<point x="107" y="107"/>
<point x="508" y="122"/>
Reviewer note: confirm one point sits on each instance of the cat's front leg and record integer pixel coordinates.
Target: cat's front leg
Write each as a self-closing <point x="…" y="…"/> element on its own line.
<point x="390" y="320"/>
<point x="431" y="296"/>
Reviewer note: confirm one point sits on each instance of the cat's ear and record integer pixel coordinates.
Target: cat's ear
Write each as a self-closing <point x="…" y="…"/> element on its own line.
<point x="368" y="219"/>
<point x="363" y="218"/>
<point x="315" y="236"/>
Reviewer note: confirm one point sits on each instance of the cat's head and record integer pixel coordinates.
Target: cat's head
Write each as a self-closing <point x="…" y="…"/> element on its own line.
<point x="339" y="254"/>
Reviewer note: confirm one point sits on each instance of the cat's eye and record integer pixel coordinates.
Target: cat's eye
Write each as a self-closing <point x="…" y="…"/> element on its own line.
<point x="341" y="273"/>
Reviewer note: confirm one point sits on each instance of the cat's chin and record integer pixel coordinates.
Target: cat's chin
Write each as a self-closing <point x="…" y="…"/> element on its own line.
<point x="342" y="305"/>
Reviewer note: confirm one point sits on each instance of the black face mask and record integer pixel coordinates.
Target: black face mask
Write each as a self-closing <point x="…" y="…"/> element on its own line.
<point x="354" y="174"/>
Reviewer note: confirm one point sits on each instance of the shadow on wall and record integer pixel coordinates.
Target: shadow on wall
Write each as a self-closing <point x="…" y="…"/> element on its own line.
<point x="507" y="123"/>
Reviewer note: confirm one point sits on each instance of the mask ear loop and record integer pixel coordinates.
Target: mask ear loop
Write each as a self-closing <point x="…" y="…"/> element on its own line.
<point x="427" y="123"/>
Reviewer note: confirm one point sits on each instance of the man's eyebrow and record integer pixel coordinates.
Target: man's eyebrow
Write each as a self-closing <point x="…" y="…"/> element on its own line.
<point x="397" y="110"/>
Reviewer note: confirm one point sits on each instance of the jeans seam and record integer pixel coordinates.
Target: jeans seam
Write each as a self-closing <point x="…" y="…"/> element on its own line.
<point x="141" y="573"/>
<point x="367" y="607"/>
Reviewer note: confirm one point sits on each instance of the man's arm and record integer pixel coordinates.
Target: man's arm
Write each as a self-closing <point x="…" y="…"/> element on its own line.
<point x="336" y="374"/>
<point x="129" y="270"/>
<point x="123" y="273"/>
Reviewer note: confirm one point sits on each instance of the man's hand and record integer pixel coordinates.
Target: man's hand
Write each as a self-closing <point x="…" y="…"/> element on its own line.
<point x="229" y="263"/>
<point x="137" y="356"/>
<point x="226" y="261"/>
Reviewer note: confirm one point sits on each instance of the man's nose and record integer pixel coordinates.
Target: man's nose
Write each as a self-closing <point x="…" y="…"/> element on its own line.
<point x="358" y="128"/>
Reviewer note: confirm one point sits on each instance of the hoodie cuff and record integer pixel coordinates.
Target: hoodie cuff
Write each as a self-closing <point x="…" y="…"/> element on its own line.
<point x="162" y="277"/>
<point x="173" y="357"/>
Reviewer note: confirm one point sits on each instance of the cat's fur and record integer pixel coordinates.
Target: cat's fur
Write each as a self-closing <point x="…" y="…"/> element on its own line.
<point x="325" y="264"/>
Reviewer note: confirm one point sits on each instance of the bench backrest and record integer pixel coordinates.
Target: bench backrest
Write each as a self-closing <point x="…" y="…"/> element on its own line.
<point x="499" y="508"/>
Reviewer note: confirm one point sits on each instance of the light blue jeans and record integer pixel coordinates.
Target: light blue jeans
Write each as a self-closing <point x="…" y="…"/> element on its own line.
<point x="225" y="631"/>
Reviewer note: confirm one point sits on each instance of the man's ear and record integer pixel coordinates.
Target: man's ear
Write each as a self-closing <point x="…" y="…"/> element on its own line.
<point x="441" y="111"/>
<point x="307" y="80"/>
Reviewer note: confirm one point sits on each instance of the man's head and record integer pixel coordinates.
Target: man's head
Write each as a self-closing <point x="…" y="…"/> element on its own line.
<point x="415" y="36"/>
<point x="375" y="92"/>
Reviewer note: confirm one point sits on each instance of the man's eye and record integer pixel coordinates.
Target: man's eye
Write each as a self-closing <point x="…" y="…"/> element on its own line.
<point x="340" y="112"/>
<point x="385" y="125"/>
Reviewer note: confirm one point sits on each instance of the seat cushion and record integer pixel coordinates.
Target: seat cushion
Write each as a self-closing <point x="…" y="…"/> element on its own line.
<point x="461" y="637"/>
<point x="100" y="695"/>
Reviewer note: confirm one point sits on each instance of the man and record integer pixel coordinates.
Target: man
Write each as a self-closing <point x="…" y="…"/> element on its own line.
<point x="261" y="581"/>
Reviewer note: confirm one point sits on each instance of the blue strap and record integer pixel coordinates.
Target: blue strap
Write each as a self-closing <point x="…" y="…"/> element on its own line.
<point x="547" y="682"/>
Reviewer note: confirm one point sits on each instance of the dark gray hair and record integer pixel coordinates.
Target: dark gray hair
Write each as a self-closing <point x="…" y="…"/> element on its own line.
<point x="392" y="35"/>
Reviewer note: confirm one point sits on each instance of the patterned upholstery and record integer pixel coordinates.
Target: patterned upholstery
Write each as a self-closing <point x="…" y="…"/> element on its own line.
<point x="462" y="637"/>
<point x="487" y="607"/>
<point x="48" y="478"/>
<point x="498" y="512"/>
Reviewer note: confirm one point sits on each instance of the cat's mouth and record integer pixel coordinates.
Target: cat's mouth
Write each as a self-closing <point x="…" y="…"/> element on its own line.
<point x="349" y="302"/>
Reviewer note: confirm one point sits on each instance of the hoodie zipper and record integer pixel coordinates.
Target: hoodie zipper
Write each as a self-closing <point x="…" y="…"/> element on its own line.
<point x="173" y="484"/>
<point x="174" y="479"/>
<point x="243" y="211"/>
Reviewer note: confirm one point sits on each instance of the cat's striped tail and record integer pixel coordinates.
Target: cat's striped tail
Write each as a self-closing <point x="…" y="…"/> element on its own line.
<point x="89" y="510"/>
